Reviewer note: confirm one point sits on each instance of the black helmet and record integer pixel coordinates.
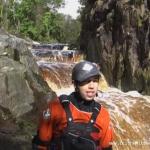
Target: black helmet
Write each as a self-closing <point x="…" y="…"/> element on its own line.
<point x="84" y="70"/>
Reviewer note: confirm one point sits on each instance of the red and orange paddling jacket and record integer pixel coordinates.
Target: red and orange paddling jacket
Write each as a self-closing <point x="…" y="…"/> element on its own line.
<point x="54" y="120"/>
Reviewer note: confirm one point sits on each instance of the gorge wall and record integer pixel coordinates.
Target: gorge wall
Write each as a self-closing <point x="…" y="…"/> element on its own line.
<point x="116" y="34"/>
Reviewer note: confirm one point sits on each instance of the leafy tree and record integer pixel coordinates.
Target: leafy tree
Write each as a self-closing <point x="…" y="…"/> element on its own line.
<point x="39" y="20"/>
<point x="26" y="16"/>
<point x="71" y="31"/>
<point x="51" y="27"/>
<point x="83" y="2"/>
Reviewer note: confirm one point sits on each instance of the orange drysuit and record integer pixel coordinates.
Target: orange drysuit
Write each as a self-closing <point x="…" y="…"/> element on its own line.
<point x="53" y="124"/>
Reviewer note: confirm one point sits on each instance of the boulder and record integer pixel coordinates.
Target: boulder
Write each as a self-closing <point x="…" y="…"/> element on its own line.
<point x="23" y="93"/>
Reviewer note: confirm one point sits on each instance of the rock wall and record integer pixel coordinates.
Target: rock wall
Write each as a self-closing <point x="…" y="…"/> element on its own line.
<point x="23" y="93"/>
<point x="116" y="34"/>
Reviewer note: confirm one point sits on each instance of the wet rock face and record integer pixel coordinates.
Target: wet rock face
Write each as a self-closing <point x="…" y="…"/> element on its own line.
<point x="116" y="34"/>
<point x="23" y="93"/>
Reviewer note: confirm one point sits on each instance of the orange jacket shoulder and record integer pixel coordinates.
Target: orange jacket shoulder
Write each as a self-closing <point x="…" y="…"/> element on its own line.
<point x="103" y="117"/>
<point x="103" y="120"/>
<point x="57" y="110"/>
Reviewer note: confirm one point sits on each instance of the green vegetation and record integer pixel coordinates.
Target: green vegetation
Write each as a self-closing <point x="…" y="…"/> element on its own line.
<point x="39" y="21"/>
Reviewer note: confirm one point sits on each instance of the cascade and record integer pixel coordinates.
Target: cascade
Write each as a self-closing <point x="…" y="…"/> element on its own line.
<point x="129" y="111"/>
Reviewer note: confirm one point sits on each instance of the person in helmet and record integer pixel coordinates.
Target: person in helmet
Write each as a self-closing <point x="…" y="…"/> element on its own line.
<point x="76" y="121"/>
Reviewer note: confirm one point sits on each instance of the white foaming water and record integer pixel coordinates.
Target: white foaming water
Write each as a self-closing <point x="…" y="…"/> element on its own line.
<point x="66" y="91"/>
<point x="134" y="94"/>
<point x="129" y="115"/>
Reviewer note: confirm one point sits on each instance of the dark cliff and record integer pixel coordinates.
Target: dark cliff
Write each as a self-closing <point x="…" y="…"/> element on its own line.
<point x="116" y="34"/>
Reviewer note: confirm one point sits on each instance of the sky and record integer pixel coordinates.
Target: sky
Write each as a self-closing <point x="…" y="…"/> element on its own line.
<point x="71" y="7"/>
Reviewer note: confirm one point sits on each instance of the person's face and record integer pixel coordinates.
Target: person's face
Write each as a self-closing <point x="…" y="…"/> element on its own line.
<point x="88" y="88"/>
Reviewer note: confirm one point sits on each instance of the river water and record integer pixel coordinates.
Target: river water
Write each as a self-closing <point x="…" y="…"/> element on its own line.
<point x="129" y="111"/>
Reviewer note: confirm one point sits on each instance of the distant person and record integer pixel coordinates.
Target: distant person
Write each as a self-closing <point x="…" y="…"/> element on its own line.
<point x="76" y="121"/>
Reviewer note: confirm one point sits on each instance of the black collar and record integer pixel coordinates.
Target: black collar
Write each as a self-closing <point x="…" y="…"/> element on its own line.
<point x="81" y="103"/>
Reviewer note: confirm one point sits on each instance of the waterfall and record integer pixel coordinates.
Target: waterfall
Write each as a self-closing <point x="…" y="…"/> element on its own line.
<point x="129" y="111"/>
